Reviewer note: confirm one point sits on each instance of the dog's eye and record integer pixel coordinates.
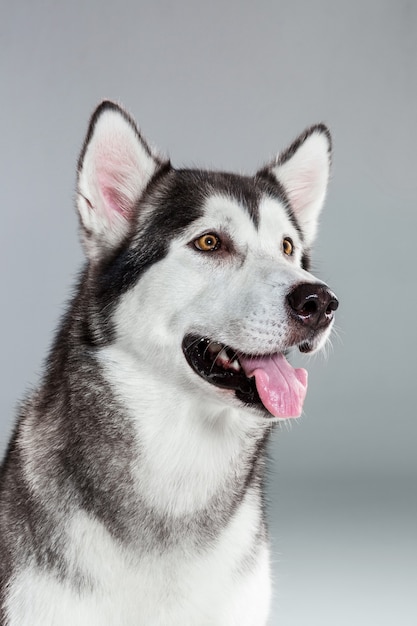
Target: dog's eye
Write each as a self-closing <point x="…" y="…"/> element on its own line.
<point x="207" y="243"/>
<point x="287" y="246"/>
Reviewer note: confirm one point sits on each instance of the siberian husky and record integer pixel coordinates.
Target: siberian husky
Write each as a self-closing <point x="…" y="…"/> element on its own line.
<point x="132" y="489"/>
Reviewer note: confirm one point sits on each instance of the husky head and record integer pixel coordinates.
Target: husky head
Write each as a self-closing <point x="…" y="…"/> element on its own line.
<point x="202" y="277"/>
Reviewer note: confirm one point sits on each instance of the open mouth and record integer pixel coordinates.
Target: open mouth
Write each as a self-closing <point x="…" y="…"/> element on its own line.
<point x="268" y="380"/>
<point x="219" y="365"/>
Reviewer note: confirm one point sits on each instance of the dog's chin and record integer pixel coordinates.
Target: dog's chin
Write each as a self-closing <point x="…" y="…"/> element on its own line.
<point x="266" y="383"/>
<point x="313" y="346"/>
<point x="316" y="343"/>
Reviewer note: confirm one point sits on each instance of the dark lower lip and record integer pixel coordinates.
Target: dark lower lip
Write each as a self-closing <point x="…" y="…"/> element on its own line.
<point x="306" y="347"/>
<point x="195" y="349"/>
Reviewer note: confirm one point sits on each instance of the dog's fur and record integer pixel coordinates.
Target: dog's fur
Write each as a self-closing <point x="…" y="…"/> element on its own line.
<point x="132" y="489"/>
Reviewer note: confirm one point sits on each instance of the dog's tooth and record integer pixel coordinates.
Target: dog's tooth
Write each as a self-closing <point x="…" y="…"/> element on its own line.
<point x="224" y="359"/>
<point x="215" y="348"/>
<point x="235" y="365"/>
<point x="223" y="355"/>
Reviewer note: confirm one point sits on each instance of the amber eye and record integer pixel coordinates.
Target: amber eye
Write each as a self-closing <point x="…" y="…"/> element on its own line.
<point x="287" y="246"/>
<point x="207" y="243"/>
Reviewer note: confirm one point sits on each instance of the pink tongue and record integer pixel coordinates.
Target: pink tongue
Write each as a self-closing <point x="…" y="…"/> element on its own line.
<point x="281" y="388"/>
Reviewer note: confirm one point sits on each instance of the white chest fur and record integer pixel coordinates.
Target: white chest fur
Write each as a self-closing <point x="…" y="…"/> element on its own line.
<point x="211" y="588"/>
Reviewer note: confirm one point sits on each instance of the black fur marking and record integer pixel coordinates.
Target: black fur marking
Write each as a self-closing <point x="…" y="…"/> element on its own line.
<point x="239" y="188"/>
<point x="306" y="261"/>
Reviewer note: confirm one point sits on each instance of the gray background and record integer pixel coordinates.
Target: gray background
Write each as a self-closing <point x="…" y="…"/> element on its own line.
<point x="227" y="84"/>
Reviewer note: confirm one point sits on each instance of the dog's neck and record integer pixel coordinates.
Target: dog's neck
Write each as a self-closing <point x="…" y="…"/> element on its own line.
<point x="188" y="449"/>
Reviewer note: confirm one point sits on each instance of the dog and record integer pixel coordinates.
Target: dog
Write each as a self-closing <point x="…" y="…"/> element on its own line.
<point x="132" y="489"/>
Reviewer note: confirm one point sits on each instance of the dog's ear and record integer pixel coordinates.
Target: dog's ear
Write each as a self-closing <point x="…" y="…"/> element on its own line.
<point x="114" y="169"/>
<point x="303" y="170"/>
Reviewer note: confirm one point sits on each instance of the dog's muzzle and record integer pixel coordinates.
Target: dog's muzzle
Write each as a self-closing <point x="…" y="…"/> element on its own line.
<point x="268" y="380"/>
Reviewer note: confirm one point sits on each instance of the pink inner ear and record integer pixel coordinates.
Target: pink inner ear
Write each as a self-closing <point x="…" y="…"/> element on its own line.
<point x="301" y="193"/>
<point x="118" y="173"/>
<point x="111" y="185"/>
<point x="114" y="202"/>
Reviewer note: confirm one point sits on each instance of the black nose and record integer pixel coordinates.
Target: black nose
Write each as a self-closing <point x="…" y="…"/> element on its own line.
<point x="313" y="304"/>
